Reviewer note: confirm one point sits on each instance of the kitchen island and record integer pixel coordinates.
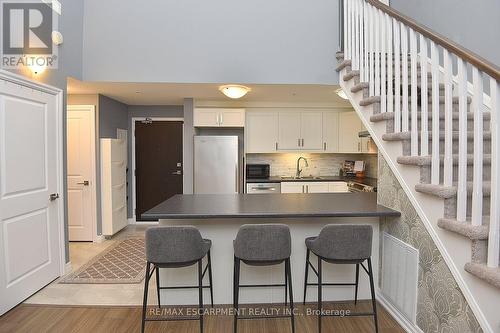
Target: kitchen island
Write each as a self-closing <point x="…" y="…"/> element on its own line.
<point x="218" y="218"/>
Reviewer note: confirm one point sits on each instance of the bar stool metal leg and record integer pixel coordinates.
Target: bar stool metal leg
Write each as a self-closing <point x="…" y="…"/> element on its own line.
<point x="356" y="287"/>
<point x="236" y="285"/>
<point x="306" y="275"/>
<point x="200" y="293"/>
<point x="210" y="278"/>
<point x="288" y="272"/>
<point x="286" y="285"/>
<point x="372" y="287"/>
<point x="320" y="304"/>
<point x="158" y="284"/>
<point x="145" y="300"/>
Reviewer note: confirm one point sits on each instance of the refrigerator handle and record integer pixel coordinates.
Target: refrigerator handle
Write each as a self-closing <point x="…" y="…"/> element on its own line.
<point x="237" y="178"/>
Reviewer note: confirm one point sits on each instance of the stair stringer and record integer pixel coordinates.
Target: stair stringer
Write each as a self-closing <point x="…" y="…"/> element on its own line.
<point x="455" y="249"/>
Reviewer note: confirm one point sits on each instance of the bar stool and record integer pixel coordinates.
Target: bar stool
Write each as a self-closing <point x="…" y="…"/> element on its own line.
<point x="175" y="247"/>
<point x="262" y="245"/>
<point x="341" y="244"/>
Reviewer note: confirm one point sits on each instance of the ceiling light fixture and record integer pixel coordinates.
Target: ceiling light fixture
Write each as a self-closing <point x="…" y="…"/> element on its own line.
<point x="234" y="91"/>
<point x="341" y="93"/>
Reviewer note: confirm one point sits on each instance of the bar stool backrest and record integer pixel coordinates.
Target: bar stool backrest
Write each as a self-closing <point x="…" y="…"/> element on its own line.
<point x="173" y="244"/>
<point x="344" y="242"/>
<point x="263" y="242"/>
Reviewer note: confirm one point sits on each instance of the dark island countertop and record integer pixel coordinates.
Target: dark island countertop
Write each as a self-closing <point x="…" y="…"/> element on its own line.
<point x="278" y="179"/>
<point x="208" y="206"/>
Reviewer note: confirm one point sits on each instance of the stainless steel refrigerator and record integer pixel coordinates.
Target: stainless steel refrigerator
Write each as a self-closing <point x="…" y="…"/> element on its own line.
<point x="216" y="169"/>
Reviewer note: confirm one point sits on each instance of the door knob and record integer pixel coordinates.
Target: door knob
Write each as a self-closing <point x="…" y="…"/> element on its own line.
<point x="178" y="172"/>
<point x="84" y="183"/>
<point x="53" y="196"/>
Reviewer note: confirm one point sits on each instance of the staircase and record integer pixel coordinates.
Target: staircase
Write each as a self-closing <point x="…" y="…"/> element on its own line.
<point x="433" y="109"/>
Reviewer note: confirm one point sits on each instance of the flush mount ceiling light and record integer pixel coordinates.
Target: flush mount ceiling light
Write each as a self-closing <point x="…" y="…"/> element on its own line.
<point x="234" y="91"/>
<point x="341" y="93"/>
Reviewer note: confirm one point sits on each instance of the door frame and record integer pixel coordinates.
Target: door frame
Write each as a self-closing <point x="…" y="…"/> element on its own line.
<point x="93" y="174"/>
<point x="134" y="119"/>
<point x="64" y="264"/>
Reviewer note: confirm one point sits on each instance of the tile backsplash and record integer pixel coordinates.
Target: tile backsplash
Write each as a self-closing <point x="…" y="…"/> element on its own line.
<point x="285" y="164"/>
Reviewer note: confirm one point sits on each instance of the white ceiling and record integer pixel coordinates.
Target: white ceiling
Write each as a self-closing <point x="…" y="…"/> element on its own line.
<point x="174" y="94"/>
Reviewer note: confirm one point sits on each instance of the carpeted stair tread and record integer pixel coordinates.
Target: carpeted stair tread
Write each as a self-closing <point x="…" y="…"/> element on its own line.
<point x="447" y="192"/>
<point x="350" y="75"/>
<point x="343" y="64"/>
<point x="466" y="228"/>
<point x="426" y="160"/>
<point x="488" y="274"/>
<point x="407" y="135"/>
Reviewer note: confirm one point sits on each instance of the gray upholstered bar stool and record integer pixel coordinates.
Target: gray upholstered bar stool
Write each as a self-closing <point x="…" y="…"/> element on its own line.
<point x="262" y="245"/>
<point x="341" y="244"/>
<point x="174" y="247"/>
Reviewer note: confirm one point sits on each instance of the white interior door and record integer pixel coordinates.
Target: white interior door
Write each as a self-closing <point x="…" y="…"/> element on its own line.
<point x="81" y="172"/>
<point x="30" y="255"/>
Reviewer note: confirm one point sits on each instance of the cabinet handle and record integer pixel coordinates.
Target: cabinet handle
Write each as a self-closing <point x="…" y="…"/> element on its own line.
<point x="298" y="142"/>
<point x="302" y="142"/>
<point x="303" y="190"/>
<point x="276" y="144"/>
<point x="307" y="188"/>
<point x="367" y="145"/>
<point x="324" y="145"/>
<point x="221" y="119"/>
<point x="359" y="146"/>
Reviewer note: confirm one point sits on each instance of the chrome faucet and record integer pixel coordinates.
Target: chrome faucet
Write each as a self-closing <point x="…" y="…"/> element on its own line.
<point x="297" y="174"/>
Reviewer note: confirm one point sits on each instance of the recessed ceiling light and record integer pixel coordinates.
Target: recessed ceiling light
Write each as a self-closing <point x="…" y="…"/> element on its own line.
<point x="341" y="93"/>
<point x="234" y="91"/>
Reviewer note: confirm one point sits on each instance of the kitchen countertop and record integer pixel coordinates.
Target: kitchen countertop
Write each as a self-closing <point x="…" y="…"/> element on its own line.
<point x="277" y="179"/>
<point x="208" y="206"/>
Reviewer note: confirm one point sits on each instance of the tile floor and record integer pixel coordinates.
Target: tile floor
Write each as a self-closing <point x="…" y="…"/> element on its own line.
<point x="94" y="294"/>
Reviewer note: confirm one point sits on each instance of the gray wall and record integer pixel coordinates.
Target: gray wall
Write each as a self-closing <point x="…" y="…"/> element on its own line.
<point x="260" y="41"/>
<point x="70" y="64"/>
<point x="143" y="111"/>
<point x="472" y="24"/>
<point x="112" y="116"/>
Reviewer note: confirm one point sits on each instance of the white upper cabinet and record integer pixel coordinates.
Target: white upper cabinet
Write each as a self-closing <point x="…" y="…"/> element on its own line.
<point x="311" y="130"/>
<point x="300" y="130"/>
<point x="289" y="131"/>
<point x="261" y="132"/>
<point x="219" y="117"/>
<point x="330" y="132"/>
<point x="349" y="127"/>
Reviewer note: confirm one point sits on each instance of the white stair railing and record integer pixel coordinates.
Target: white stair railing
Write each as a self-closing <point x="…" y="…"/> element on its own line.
<point x="391" y="53"/>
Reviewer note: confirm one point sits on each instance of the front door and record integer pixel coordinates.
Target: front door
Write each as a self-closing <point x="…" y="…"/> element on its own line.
<point x="29" y="222"/>
<point x="81" y="165"/>
<point x="158" y="163"/>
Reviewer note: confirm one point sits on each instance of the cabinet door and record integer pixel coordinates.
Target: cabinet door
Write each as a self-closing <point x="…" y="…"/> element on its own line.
<point x="232" y="117"/>
<point x="289" y="131"/>
<point x="261" y="132"/>
<point x="331" y="132"/>
<point x="311" y="130"/>
<point x="292" y="187"/>
<point x="206" y="118"/>
<point x="317" y="187"/>
<point x="349" y="127"/>
<point x="338" y="187"/>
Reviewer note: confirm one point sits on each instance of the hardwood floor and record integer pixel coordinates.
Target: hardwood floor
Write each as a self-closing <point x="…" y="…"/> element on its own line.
<point x="55" y="319"/>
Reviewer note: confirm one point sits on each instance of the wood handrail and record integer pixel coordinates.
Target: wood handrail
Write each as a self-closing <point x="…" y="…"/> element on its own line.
<point x="467" y="55"/>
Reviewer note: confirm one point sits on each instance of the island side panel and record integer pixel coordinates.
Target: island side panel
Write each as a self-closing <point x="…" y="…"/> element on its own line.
<point x="222" y="232"/>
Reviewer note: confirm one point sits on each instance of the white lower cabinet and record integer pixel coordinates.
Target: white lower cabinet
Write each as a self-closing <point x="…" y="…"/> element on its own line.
<point x="338" y="187"/>
<point x="314" y="187"/>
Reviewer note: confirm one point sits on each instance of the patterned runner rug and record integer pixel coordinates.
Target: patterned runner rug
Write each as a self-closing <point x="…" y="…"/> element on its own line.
<point x="123" y="262"/>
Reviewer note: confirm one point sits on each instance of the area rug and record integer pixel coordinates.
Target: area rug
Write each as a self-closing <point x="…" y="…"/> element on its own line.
<point x="120" y="263"/>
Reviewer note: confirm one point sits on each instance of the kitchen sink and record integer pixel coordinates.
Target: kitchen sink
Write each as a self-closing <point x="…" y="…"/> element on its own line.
<point x="301" y="178"/>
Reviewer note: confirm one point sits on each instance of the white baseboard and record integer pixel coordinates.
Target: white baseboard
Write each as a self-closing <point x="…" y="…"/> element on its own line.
<point x="398" y="316"/>
<point x="68" y="268"/>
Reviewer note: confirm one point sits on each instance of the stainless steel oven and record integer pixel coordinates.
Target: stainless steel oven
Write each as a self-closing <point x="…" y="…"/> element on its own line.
<point x="358" y="187"/>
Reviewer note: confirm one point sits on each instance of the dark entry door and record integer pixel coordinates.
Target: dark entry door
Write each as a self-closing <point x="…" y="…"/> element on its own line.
<point x="158" y="163"/>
